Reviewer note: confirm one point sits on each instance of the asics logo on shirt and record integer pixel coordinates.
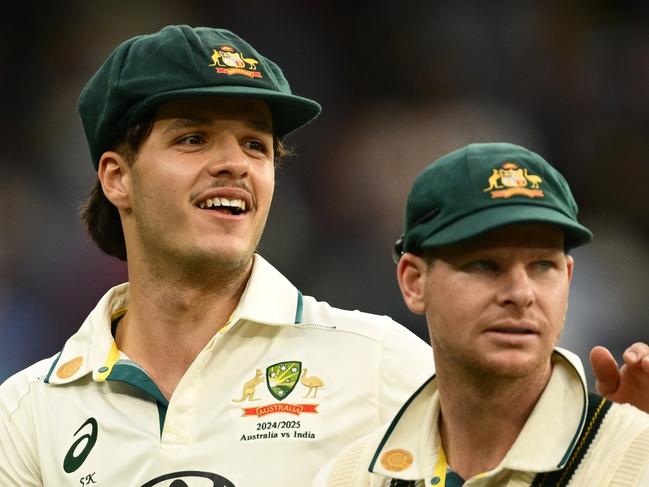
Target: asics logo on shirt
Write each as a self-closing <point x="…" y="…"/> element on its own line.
<point x="181" y="479"/>
<point x="73" y="460"/>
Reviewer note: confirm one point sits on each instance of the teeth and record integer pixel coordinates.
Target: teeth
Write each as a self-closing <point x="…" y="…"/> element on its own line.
<point x="211" y="202"/>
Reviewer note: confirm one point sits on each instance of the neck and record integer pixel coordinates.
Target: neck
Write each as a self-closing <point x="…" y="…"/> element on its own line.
<point x="480" y="418"/>
<point x="172" y="316"/>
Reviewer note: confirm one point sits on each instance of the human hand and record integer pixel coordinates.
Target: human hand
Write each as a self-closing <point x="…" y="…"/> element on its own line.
<point x="629" y="383"/>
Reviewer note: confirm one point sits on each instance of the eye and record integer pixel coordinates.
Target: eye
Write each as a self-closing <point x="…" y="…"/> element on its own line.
<point x="481" y="266"/>
<point x="256" y="145"/>
<point x="544" y="265"/>
<point x="191" y="139"/>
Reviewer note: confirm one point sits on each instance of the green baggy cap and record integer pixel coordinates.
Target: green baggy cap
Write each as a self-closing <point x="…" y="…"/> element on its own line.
<point x="482" y="187"/>
<point x="178" y="62"/>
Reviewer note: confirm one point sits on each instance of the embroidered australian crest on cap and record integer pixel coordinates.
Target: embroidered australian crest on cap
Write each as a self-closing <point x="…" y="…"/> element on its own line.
<point x="512" y="180"/>
<point x="227" y="60"/>
<point x="396" y="460"/>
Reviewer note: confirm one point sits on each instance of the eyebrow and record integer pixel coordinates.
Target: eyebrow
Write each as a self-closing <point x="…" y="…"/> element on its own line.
<point x="188" y="122"/>
<point x="264" y="127"/>
<point x="185" y="122"/>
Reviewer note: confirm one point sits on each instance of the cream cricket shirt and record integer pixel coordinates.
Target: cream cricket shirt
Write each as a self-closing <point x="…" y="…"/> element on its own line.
<point x="409" y="448"/>
<point x="269" y="400"/>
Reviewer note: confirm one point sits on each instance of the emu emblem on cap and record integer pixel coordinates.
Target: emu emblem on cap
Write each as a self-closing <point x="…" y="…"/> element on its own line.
<point x="227" y="60"/>
<point x="511" y="180"/>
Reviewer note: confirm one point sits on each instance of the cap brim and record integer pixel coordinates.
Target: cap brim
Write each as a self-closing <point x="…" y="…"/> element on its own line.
<point x="500" y="216"/>
<point x="290" y="112"/>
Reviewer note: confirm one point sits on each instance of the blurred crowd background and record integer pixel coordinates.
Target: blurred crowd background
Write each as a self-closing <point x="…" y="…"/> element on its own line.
<point x="401" y="84"/>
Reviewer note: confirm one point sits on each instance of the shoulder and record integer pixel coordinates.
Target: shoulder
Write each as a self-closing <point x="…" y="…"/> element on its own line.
<point x="19" y="386"/>
<point x="401" y="357"/>
<point x="629" y="429"/>
<point x="368" y="325"/>
<point x="389" y="360"/>
<point x="626" y="416"/>
<point x="621" y="425"/>
<point x="625" y="428"/>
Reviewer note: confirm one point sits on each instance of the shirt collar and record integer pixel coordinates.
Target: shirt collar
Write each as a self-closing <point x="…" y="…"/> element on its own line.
<point x="92" y="348"/>
<point x="269" y="298"/>
<point x="544" y="444"/>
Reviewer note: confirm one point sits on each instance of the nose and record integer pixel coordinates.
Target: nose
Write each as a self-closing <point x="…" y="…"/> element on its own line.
<point x="516" y="288"/>
<point x="227" y="158"/>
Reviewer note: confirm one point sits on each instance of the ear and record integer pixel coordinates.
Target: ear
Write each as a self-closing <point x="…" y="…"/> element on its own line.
<point x="570" y="266"/>
<point x="115" y="177"/>
<point x="411" y="274"/>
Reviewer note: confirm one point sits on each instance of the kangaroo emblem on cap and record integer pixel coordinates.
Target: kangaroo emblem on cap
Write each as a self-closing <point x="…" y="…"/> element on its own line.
<point x="228" y="60"/>
<point x="510" y="180"/>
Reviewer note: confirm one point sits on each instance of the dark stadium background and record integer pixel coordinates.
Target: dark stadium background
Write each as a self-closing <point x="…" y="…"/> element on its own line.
<point x="401" y="83"/>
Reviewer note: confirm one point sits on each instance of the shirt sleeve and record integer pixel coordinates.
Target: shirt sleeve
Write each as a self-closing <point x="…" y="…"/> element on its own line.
<point x="18" y="465"/>
<point x="406" y="362"/>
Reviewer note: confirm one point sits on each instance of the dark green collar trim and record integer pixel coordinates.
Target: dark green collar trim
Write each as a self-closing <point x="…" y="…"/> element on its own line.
<point x="298" y="310"/>
<point x="453" y="479"/>
<point x="573" y="442"/>
<point x="597" y="409"/>
<point x="394" y="422"/>
<point x="56" y="361"/>
<point x="582" y="421"/>
<point x="136" y="377"/>
<point x="162" y="414"/>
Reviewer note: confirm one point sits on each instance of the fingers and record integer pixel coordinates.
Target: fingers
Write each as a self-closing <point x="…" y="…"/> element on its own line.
<point x="637" y="355"/>
<point x="607" y="375"/>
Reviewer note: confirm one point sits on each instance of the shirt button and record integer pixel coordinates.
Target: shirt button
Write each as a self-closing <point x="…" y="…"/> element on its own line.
<point x="435" y="480"/>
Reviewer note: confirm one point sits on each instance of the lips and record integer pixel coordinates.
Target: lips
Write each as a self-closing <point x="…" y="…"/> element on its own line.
<point x="514" y="328"/>
<point x="233" y="201"/>
<point x="517" y="331"/>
